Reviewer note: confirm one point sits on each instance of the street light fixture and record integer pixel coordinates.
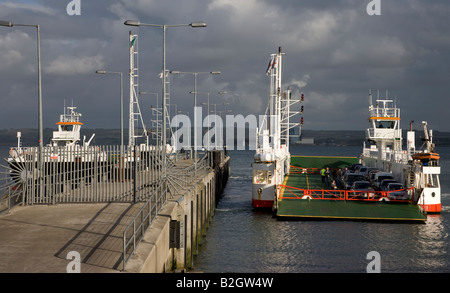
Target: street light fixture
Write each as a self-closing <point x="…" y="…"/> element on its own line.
<point x="121" y="102"/>
<point x="138" y="23"/>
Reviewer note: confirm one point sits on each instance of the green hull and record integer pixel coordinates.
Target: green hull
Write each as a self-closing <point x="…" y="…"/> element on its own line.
<point x="350" y="210"/>
<point x="291" y="206"/>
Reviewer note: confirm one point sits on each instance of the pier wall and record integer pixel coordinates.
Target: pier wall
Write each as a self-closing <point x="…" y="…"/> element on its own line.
<point x="172" y="241"/>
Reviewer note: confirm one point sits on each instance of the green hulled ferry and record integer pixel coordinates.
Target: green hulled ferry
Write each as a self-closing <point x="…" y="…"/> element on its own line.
<point x="304" y="195"/>
<point x="293" y="186"/>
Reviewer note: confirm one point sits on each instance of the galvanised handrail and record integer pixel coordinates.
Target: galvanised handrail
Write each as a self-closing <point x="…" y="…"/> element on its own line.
<point x="146" y="214"/>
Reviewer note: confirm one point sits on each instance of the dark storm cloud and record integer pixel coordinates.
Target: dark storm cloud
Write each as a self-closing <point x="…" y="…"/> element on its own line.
<point x="335" y="53"/>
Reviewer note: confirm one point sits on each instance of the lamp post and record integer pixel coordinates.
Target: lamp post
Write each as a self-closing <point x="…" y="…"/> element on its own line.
<point x="157" y="115"/>
<point x="176" y="108"/>
<point x="176" y="120"/>
<point x="195" y="105"/>
<point x="215" y="119"/>
<point x="40" y="124"/>
<point x="220" y="115"/>
<point x="41" y="131"/>
<point x="121" y="101"/>
<point x="164" y="27"/>
<point x="208" y="95"/>
<point x="189" y="133"/>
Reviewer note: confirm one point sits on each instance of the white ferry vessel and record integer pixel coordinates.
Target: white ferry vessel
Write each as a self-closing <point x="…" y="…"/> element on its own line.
<point x="63" y="151"/>
<point x="272" y="158"/>
<point x="415" y="169"/>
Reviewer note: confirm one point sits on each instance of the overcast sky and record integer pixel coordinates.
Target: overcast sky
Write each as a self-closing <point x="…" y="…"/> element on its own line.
<point x="335" y="53"/>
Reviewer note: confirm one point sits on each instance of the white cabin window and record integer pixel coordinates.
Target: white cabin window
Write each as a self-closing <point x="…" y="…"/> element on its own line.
<point x="66" y="127"/>
<point x="385" y="124"/>
<point x="431" y="180"/>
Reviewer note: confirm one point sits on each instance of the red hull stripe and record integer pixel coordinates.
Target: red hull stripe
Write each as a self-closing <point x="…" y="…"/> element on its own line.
<point x="432" y="208"/>
<point x="262" y="203"/>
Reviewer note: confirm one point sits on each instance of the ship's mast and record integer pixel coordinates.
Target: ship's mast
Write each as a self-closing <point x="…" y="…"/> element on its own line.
<point x="275" y="99"/>
<point x="135" y="111"/>
<point x="273" y="134"/>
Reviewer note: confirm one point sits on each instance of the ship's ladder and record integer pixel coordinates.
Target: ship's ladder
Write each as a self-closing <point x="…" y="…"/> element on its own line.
<point x="412" y="179"/>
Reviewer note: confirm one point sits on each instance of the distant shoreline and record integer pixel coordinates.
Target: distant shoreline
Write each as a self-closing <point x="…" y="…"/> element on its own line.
<point x="8" y="137"/>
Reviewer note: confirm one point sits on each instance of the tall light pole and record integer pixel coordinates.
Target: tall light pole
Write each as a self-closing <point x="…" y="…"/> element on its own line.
<point x="215" y="119"/>
<point x="195" y="105"/>
<point x="164" y="27"/>
<point x="40" y="124"/>
<point x="189" y="133"/>
<point x="208" y="95"/>
<point x="220" y="115"/>
<point x="157" y="116"/>
<point x="41" y="131"/>
<point x="121" y="102"/>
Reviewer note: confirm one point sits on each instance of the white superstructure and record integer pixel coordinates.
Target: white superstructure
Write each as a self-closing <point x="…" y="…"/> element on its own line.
<point x="69" y="126"/>
<point x="63" y="145"/>
<point x="417" y="169"/>
<point x="272" y="158"/>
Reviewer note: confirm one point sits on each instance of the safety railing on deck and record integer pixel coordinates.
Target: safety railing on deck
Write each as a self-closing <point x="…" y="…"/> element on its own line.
<point x="178" y="177"/>
<point x="290" y="192"/>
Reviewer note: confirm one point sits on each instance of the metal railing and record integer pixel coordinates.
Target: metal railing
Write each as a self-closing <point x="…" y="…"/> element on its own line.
<point x="401" y="195"/>
<point x="85" y="174"/>
<point x="9" y="196"/>
<point x="179" y="178"/>
<point x="101" y="174"/>
<point x="135" y="230"/>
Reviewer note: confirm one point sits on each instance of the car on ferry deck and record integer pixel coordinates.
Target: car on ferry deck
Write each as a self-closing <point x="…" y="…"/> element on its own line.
<point x="380" y="176"/>
<point x="384" y="184"/>
<point x="371" y="176"/>
<point x="369" y="171"/>
<point x="397" y="191"/>
<point x="350" y="178"/>
<point x="353" y="167"/>
<point x="362" y="189"/>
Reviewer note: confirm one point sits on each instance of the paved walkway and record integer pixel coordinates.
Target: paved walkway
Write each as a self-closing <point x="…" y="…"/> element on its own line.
<point x="37" y="239"/>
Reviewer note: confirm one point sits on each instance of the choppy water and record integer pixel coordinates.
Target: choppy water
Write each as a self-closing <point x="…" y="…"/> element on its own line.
<point x="241" y="240"/>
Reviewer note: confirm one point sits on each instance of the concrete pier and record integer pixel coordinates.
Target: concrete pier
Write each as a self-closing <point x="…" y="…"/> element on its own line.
<point x="88" y="236"/>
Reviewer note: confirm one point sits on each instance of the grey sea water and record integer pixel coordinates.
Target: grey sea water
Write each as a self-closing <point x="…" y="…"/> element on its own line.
<point x="241" y="240"/>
